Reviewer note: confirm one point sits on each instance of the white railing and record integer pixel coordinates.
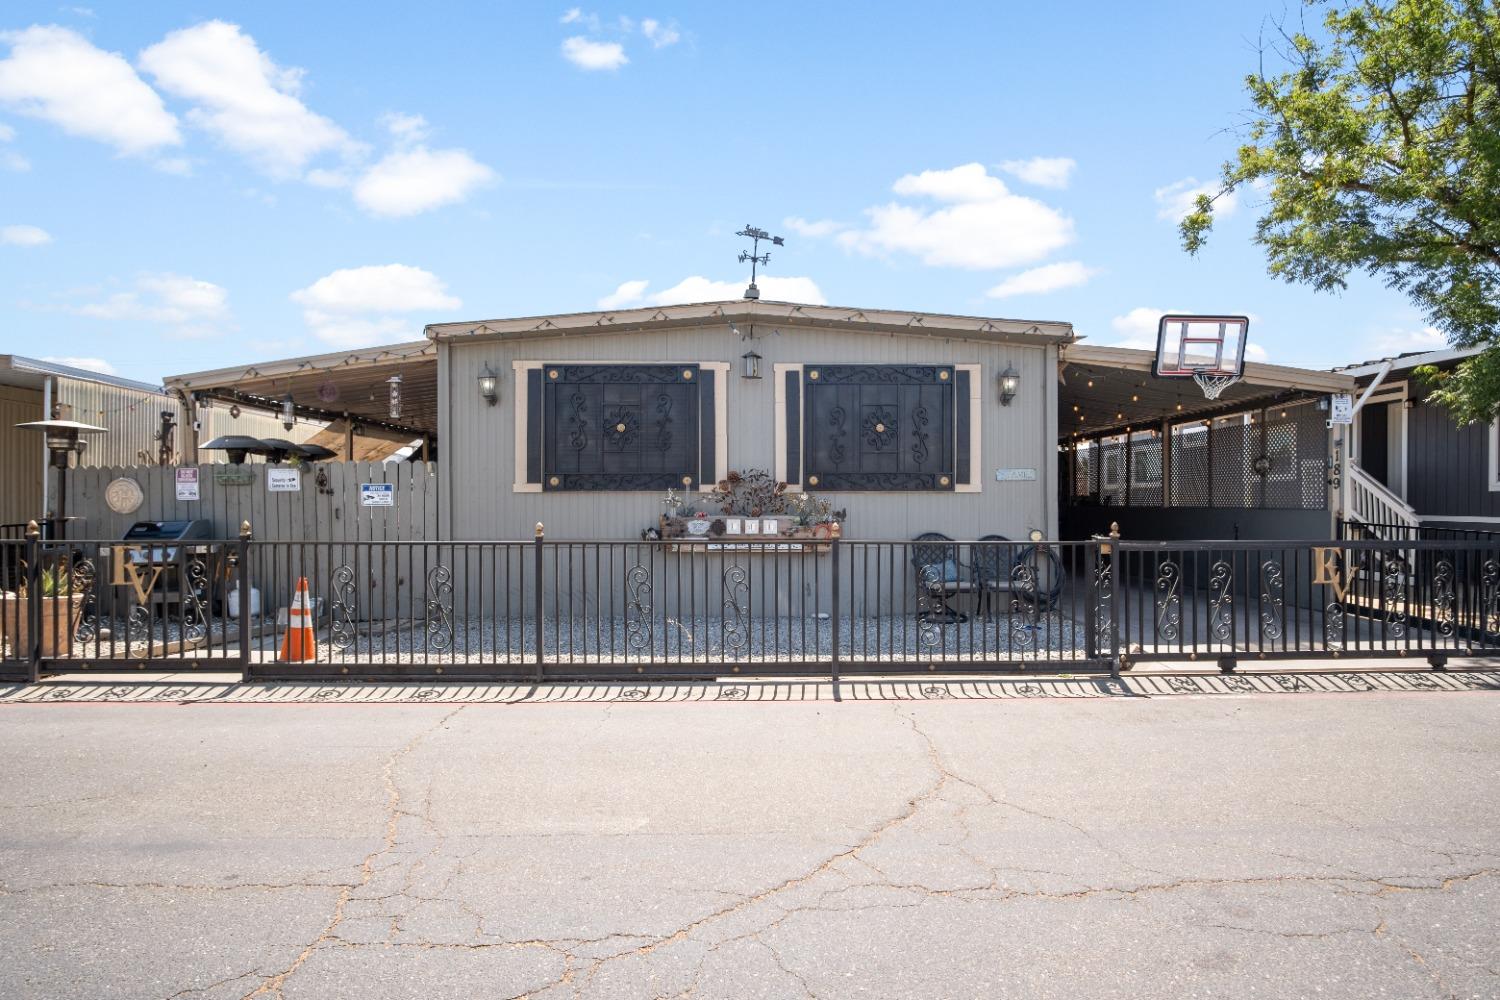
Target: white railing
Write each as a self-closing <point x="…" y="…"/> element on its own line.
<point x="1369" y="501"/>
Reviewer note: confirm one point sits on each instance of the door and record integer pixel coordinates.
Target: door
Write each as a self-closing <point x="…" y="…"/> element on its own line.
<point x="1374" y="442"/>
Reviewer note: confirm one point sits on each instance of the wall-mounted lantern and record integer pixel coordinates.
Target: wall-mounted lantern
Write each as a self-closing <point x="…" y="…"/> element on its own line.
<point x="489" y="385"/>
<point x="288" y="411"/>
<point x="751" y="362"/>
<point x="395" y="383"/>
<point x="1010" y="383"/>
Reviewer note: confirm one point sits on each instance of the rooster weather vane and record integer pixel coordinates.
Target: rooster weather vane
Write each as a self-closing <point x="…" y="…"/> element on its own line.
<point x="755" y="257"/>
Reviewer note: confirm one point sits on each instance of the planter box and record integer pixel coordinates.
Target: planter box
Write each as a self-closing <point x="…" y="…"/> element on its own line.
<point x="720" y="532"/>
<point x="59" y="622"/>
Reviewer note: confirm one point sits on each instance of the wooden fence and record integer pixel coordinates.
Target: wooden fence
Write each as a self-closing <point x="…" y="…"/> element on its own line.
<point x="327" y="508"/>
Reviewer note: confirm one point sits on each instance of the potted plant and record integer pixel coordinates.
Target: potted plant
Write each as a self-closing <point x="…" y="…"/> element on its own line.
<point x="62" y="589"/>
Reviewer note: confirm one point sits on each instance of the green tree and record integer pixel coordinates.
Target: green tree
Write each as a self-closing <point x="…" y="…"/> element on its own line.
<point x="1377" y="148"/>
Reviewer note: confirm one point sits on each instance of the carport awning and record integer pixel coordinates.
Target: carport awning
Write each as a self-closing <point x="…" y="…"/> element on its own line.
<point x="1104" y="389"/>
<point x="328" y="386"/>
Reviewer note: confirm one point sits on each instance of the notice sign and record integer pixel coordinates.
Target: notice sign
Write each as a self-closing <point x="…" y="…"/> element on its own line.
<point x="283" y="481"/>
<point x="377" y="494"/>
<point x="187" y="484"/>
<point x="1341" y="408"/>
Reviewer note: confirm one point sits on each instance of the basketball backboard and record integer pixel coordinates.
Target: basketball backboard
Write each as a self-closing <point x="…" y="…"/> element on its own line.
<point x="1210" y="350"/>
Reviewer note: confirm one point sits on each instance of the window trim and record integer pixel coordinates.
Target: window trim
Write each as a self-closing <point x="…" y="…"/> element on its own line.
<point x="781" y="460"/>
<point x="521" y="369"/>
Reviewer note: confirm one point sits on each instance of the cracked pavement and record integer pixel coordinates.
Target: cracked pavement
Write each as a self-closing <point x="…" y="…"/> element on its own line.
<point x="1343" y="845"/>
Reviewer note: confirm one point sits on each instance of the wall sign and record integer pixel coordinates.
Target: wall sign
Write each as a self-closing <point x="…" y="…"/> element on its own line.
<point x="283" y="481"/>
<point x="233" y="475"/>
<point x="124" y="495"/>
<point x="1341" y="408"/>
<point x="377" y="494"/>
<point x="187" y="484"/>
<point x="1015" y="475"/>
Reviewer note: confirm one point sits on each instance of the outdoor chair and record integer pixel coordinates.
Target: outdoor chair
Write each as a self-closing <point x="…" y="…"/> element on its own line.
<point x="940" y="577"/>
<point x="1029" y="572"/>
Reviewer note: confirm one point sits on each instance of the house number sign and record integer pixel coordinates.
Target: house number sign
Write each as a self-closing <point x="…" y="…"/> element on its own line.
<point x="1015" y="475"/>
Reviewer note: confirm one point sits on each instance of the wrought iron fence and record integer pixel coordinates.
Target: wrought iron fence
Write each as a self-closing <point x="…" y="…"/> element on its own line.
<point x="568" y="610"/>
<point x="1237" y="601"/>
<point x="1359" y="530"/>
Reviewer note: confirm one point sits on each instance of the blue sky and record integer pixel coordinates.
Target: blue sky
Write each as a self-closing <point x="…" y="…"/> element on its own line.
<point x="186" y="186"/>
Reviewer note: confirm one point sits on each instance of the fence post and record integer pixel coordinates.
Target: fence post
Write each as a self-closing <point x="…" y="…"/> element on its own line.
<point x="242" y="573"/>
<point x="541" y="534"/>
<point x="833" y="554"/>
<point x="33" y="601"/>
<point x="1117" y="591"/>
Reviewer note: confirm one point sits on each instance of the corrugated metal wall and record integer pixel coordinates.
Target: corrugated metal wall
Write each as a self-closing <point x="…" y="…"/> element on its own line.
<point x="215" y="421"/>
<point x="21" y="455"/>
<point x="478" y="440"/>
<point x="133" y="417"/>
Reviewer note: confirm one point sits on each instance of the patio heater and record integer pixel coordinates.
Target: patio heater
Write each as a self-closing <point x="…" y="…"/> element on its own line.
<point x="64" y="440"/>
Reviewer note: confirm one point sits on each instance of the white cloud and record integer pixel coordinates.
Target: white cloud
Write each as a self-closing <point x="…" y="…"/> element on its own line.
<point x="629" y="293"/>
<point x="404" y="127"/>
<point x="575" y="15"/>
<point x="1139" y="324"/>
<point x="350" y="307"/>
<point x="1047" y="278"/>
<point x="87" y="364"/>
<point x="812" y="230"/>
<point x="1043" y="171"/>
<point x="985" y="226"/>
<point x="658" y="34"/>
<point x="410" y="181"/>
<point x="190" y="306"/>
<point x="24" y="236"/>
<point x="1137" y="328"/>
<point x="701" y="289"/>
<point x="57" y="75"/>
<point x="1399" y="341"/>
<point x="1178" y="198"/>
<point x="243" y="98"/>
<point x="9" y="159"/>
<point x="590" y="55"/>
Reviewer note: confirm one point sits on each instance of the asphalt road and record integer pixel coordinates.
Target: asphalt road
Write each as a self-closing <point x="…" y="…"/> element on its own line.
<point x="1245" y="847"/>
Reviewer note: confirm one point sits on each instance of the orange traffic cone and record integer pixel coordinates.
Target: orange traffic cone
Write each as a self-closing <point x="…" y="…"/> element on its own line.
<point x="300" y="642"/>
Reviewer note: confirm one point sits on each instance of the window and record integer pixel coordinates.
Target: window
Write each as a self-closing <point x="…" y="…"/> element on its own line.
<point x="884" y="427"/>
<point x="598" y="426"/>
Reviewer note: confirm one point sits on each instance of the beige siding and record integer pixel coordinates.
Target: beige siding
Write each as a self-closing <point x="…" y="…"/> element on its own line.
<point x="478" y="441"/>
<point x="215" y="420"/>
<point x="133" y="417"/>
<point x="21" y="455"/>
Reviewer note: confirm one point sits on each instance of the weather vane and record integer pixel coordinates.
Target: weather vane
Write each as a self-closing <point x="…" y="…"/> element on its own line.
<point x="755" y="257"/>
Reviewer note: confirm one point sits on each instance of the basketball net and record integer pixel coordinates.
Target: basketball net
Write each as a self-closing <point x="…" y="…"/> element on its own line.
<point x="1212" y="384"/>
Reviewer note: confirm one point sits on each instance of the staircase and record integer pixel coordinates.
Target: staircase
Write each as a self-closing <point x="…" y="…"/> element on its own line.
<point x="1370" y="503"/>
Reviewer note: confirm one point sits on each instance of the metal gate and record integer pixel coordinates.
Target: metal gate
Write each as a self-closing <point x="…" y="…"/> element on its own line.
<point x="551" y="610"/>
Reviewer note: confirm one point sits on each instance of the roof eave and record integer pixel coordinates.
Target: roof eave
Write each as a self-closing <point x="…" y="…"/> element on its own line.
<point x="697" y="314"/>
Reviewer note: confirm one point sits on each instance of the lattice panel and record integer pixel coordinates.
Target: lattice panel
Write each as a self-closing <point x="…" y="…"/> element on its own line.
<point x="1145" y="470"/>
<point x="1086" y="470"/>
<point x="1234" y="447"/>
<point x="1112" y="486"/>
<point x="1190" y="466"/>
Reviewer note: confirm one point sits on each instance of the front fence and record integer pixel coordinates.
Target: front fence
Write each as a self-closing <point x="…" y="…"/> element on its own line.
<point x="567" y="610"/>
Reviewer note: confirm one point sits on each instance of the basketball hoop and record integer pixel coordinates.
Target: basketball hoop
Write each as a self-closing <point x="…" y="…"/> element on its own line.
<point x="1208" y="349"/>
<point x="1212" y="384"/>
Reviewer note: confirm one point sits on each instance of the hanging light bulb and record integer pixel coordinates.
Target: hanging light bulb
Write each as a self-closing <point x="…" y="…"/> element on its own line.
<point x="288" y="411"/>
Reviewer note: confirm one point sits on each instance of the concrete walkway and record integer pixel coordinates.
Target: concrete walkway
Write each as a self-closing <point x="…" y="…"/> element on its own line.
<point x="1238" y="845"/>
